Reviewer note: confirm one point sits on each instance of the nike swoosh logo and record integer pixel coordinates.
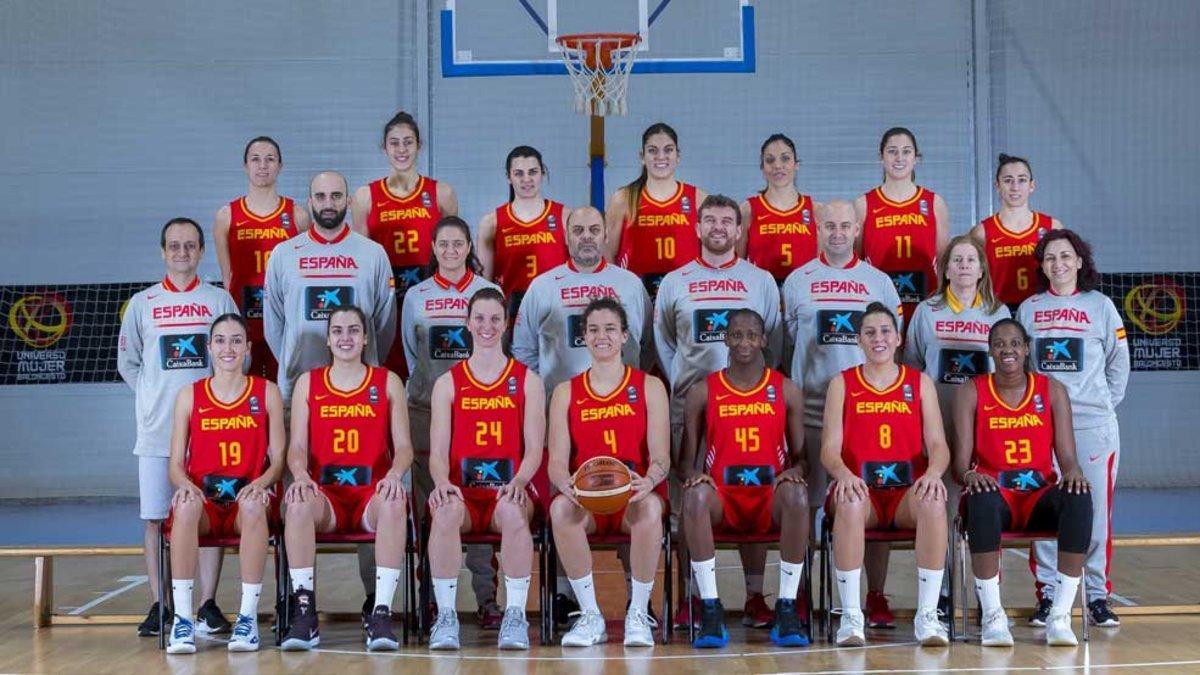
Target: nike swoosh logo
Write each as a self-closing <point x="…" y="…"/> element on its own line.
<point x="560" y="278"/>
<point x="878" y="209"/>
<point x="989" y="408"/>
<point x="856" y="394"/>
<point x="297" y="246"/>
<point x="380" y="204"/>
<point x="686" y="272"/>
<point x="464" y="388"/>
<point x="1092" y="458"/>
<point x="151" y="297"/>
<point x="204" y="410"/>
<point x="722" y="397"/>
<point x="581" y="401"/>
<point x="997" y="240"/>
<point x="321" y="397"/>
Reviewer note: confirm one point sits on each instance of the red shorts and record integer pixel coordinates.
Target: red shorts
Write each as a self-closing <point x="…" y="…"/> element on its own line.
<point x="746" y="509"/>
<point x="349" y="503"/>
<point x="1021" y="504"/>
<point x="222" y="517"/>
<point x="610" y="524"/>
<point x="885" y="502"/>
<point x="481" y="506"/>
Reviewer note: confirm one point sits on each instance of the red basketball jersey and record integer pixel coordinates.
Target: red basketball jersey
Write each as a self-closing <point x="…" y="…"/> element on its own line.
<point x="404" y="226"/>
<point x="1010" y="257"/>
<point x="526" y="249"/>
<point x="251" y="239"/>
<point x="487" y="421"/>
<point x="780" y="241"/>
<point x="745" y="429"/>
<point x="230" y="440"/>
<point x="1009" y="438"/>
<point x="900" y="238"/>
<point x="883" y="425"/>
<point x="610" y="426"/>
<point x="663" y="237"/>
<point x="349" y="430"/>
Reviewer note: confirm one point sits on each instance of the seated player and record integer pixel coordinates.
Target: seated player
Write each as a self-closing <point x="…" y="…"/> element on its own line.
<point x="1013" y="428"/>
<point x="752" y="420"/>
<point x="226" y="456"/>
<point x="350" y="448"/>
<point x="485" y="445"/>
<point x="879" y="419"/>
<point x="610" y="410"/>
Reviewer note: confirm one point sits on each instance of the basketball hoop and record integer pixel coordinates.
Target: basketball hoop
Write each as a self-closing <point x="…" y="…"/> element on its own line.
<point x="599" y="66"/>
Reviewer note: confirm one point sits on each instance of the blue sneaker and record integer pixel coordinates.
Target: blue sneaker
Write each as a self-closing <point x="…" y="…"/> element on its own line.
<point x="712" y="633"/>
<point x="787" y="631"/>
<point x="183" y="637"/>
<point x="245" y="634"/>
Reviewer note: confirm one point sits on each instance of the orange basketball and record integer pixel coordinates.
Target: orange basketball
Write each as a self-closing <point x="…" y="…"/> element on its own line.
<point x="602" y="485"/>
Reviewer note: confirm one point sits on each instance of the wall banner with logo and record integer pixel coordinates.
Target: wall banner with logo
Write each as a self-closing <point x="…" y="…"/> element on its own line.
<point x="1159" y="310"/>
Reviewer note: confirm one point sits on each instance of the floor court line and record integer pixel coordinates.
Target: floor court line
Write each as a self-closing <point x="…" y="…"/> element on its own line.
<point x="1115" y="596"/>
<point x="134" y="582"/>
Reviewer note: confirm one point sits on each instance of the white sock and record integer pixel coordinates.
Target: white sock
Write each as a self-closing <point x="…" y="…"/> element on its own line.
<point x="250" y="593"/>
<point x="929" y="586"/>
<point x="386" y="580"/>
<point x="705" y="573"/>
<point x="639" y="594"/>
<point x="445" y="593"/>
<point x="302" y="578"/>
<point x="789" y="579"/>
<point x="516" y="591"/>
<point x="585" y="593"/>
<point x="848" y="589"/>
<point x="1064" y="594"/>
<point x="989" y="593"/>
<point x="754" y="584"/>
<point x="181" y="594"/>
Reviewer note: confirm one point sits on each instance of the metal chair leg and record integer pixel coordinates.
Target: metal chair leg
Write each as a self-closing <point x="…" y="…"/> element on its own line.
<point x="806" y="579"/>
<point x="950" y="584"/>
<point x="163" y="587"/>
<point x="686" y="562"/>
<point x="1083" y="606"/>
<point x="668" y="585"/>
<point x="961" y="551"/>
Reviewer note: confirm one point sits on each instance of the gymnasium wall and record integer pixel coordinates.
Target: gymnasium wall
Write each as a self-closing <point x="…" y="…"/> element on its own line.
<point x="122" y="114"/>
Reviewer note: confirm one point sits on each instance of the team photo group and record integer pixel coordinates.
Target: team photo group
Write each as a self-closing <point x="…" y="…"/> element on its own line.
<point x="681" y="361"/>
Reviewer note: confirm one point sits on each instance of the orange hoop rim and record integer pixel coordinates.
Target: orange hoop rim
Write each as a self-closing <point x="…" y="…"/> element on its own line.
<point x="598" y="46"/>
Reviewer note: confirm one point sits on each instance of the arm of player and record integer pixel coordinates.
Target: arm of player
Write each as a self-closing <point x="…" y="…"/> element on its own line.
<point x="694" y="408"/>
<point x="558" y="441"/>
<point x="303" y="487"/>
<point x="534" y="433"/>
<point x="273" y="307"/>
<point x="485" y="245"/>
<point x="860" y="214"/>
<point x="441" y="404"/>
<point x="915" y="341"/>
<point x="185" y="489"/>
<point x="391" y="487"/>
<point x="221" y="240"/>
<point x="942" y="213"/>
<point x="129" y="344"/>
<point x="789" y="296"/>
<point x="743" y="241"/>
<point x="446" y="198"/>
<point x="848" y="486"/>
<point x="360" y="210"/>
<point x="259" y="488"/>
<point x="646" y="351"/>
<point x="664" y="332"/>
<point x="891" y="298"/>
<point x="966" y="401"/>
<point x="793" y="400"/>
<point x="978" y="235"/>
<point x="615" y="211"/>
<point x="930" y="485"/>
<point x="1072" y="479"/>
<point x="408" y="331"/>
<point x="384" y="313"/>
<point x="772" y="322"/>
<point x="303" y="219"/>
<point x="525" y="329"/>
<point x="658" y="439"/>
<point x="1116" y="354"/>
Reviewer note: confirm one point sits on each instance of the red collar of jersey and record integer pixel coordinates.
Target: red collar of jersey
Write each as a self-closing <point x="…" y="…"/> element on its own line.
<point x="1050" y="290"/>
<point x="825" y="261"/>
<point x="166" y="283"/>
<point x="731" y="263"/>
<point x="571" y="266"/>
<point x="312" y="232"/>
<point x="460" y="286"/>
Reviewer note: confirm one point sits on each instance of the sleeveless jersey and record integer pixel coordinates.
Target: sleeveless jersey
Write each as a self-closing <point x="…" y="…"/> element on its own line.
<point x="780" y="241"/>
<point x="900" y="238"/>
<point x="349" y="432"/>
<point x="1010" y="257"/>
<point x="487" y="423"/>
<point x="882" y="428"/>
<point x="1010" y="438"/>
<point x="663" y="238"/>
<point x="251" y="239"/>
<point x="227" y="440"/>
<point x="526" y="249"/>
<point x="610" y="426"/>
<point x="403" y="226"/>
<point x="745" y="430"/>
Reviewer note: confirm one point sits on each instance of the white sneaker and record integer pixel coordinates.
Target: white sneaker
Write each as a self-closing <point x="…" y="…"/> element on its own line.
<point x="514" y="629"/>
<point x="245" y="634"/>
<point x="995" y="629"/>
<point x="850" y="629"/>
<point x="445" y="631"/>
<point x="183" y="637"/>
<point x="587" y="631"/>
<point x="929" y="631"/>
<point x="1058" y="631"/>
<point x="639" y="628"/>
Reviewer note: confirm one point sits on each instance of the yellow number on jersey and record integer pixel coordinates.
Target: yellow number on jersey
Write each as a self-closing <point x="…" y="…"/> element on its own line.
<point x="531" y="266"/>
<point x="904" y="246"/>
<point x="260" y="261"/>
<point x="485" y="429"/>
<point x="885" y="436"/>
<point x="748" y="438"/>
<point x="231" y="453"/>
<point x="1022" y="279"/>
<point x="405" y="241"/>
<point x="786" y="251"/>
<point x="345" y="441"/>
<point x="1018" y="452"/>
<point x="665" y="247"/>
<point x="610" y="439"/>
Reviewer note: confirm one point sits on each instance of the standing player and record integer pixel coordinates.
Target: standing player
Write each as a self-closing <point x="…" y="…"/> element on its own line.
<point x="781" y="226"/>
<point x="485" y="446"/>
<point x="399" y="212"/>
<point x="880" y="420"/>
<point x="227" y="449"/>
<point x="652" y="221"/>
<point x="610" y="410"/>
<point x="348" y="454"/>
<point x="163" y="347"/>
<point x="246" y="231"/>
<point x="1014" y="428"/>
<point x="523" y="238"/>
<point x="1078" y="336"/>
<point x="904" y="226"/>
<point x="1010" y="235"/>
<point x="752" y="422"/>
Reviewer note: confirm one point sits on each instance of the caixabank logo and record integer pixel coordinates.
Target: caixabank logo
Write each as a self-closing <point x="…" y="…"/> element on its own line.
<point x="183" y="350"/>
<point x="709" y="325"/>
<point x="959" y="365"/>
<point x="320" y="301"/>
<point x="449" y="343"/>
<point x="1059" y="354"/>
<point x="910" y="286"/>
<point x="252" y="302"/>
<point x="838" y="326"/>
<point x="40" y="320"/>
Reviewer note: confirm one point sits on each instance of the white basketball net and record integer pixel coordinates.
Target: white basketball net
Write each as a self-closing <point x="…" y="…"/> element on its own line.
<point x="600" y="87"/>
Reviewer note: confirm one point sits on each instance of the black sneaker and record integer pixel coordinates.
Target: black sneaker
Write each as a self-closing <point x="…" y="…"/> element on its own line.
<point x="649" y="611"/>
<point x="564" y="609"/>
<point x="943" y="610"/>
<point x="210" y="620"/>
<point x="368" y="607"/>
<point x="712" y="626"/>
<point x="380" y="636"/>
<point x="788" y="631"/>
<point x="149" y="626"/>
<point x="1041" y="613"/>
<point x="302" y="635"/>
<point x="1102" y="615"/>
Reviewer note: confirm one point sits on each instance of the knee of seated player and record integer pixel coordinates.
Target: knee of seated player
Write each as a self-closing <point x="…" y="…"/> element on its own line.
<point x="188" y="512"/>
<point x="564" y="512"/>
<point x="298" y="513"/>
<point x="252" y="512"/>
<point x="1077" y="506"/>
<point x="697" y="501"/>
<point x="792" y="496"/>
<point x="929" y="509"/>
<point x="648" y="511"/>
<point x="510" y="516"/>
<point x="391" y="509"/>
<point x="852" y="512"/>
<point x="448" y="515"/>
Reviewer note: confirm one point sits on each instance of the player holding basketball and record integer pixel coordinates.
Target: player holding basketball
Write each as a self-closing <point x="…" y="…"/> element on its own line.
<point x="486" y="438"/>
<point x="610" y="410"/>
<point x="1014" y="429"/>
<point x="227" y="448"/>
<point x="399" y="211"/>
<point x="348" y="454"/>
<point x="1010" y="235"/>
<point x="1078" y="336"/>
<point x="752" y="420"/>
<point x="880" y="419"/>
<point x="652" y="221"/>
<point x="781" y="225"/>
<point x="246" y="231"/>
<point x="524" y="237"/>
<point x="162" y="348"/>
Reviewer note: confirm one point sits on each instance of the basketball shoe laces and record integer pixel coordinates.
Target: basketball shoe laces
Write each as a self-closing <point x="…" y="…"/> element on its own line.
<point x="244" y="627"/>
